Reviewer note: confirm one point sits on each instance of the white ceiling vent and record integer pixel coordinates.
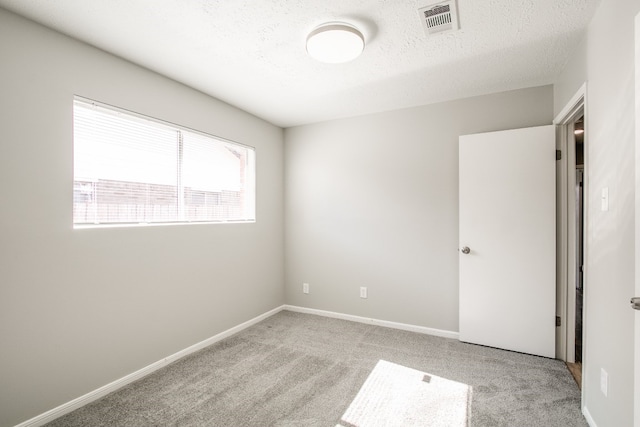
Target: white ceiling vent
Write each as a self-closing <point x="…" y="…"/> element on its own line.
<point x="439" y="18"/>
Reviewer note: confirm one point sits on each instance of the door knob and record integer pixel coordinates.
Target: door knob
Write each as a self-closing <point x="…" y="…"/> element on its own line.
<point x="635" y="303"/>
<point x="465" y="250"/>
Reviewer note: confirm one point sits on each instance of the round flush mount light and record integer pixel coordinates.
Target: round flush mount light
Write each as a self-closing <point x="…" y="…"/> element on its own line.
<point x="335" y="42"/>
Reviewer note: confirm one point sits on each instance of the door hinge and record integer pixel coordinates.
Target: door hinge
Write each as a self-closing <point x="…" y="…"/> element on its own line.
<point x="558" y="155"/>
<point x="558" y="321"/>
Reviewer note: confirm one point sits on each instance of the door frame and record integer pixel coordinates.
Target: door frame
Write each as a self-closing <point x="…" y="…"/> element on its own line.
<point x="567" y="227"/>
<point x="636" y="356"/>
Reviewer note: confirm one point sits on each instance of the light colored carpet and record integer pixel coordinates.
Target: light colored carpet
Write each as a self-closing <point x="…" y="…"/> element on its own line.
<point x="301" y="370"/>
<point x="394" y="395"/>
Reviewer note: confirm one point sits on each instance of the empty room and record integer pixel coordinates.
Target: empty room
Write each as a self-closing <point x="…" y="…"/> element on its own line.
<point x="305" y="213"/>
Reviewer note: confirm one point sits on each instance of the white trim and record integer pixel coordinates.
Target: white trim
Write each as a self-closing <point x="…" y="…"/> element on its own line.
<point x="636" y="315"/>
<point x="119" y="383"/>
<point x="377" y="322"/>
<point x="588" y="417"/>
<point x="567" y="228"/>
<point x="576" y="101"/>
<point x="577" y="105"/>
<point x="65" y="408"/>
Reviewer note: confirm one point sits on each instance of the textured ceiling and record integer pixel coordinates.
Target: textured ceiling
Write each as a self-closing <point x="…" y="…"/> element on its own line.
<point x="251" y="53"/>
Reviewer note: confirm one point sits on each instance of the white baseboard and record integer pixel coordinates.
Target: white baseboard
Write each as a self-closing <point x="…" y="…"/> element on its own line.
<point x="385" y="323"/>
<point x="115" y="385"/>
<point x="588" y="417"/>
<point x="119" y="383"/>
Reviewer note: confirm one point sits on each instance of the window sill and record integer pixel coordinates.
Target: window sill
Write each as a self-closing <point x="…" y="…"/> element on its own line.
<point x="159" y="224"/>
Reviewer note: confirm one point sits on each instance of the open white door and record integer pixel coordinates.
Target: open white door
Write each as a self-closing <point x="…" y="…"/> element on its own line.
<point x="507" y="240"/>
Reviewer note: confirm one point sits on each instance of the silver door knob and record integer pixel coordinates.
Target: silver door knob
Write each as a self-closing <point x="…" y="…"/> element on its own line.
<point x="465" y="250"/>
<point x="635" y="303"/>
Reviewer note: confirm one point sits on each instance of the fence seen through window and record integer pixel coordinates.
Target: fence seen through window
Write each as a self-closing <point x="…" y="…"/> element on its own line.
<point x="131" y="169"/>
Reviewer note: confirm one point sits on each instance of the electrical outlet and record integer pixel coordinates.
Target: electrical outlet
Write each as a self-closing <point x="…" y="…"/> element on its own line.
<point x="605" y="199"/>
<point x="363" y="292"/>
<point x="305" y="288"/>
<point x="604" y="381"/>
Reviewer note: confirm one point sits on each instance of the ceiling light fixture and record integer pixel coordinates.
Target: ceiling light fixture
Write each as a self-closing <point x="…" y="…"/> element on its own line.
<point x="335" y="42"/>
<point x="578" y="131"/>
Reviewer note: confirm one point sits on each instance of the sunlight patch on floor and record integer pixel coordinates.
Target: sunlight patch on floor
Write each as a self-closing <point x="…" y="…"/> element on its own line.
<point x="395" y="395"/>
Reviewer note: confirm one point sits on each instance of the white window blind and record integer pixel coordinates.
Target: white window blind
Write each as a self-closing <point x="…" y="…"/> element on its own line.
<point x="131" y="169"/>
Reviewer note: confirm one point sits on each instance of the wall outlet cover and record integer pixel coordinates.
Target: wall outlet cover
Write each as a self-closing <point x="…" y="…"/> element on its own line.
<point x="605" y="199"/>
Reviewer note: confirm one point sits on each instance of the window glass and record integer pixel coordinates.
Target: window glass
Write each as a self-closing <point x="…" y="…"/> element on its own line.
<point x="129" y="169"/>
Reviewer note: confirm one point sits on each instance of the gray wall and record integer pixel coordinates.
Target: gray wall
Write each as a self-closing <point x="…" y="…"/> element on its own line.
<point x="373" y="201"/>
<point x="606" y="61"/>
<point x="370" y="201"/>
<point x="81" y="308"/>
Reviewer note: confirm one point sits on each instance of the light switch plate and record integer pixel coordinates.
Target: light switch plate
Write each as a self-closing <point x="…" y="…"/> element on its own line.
<point x="604" y="381"/>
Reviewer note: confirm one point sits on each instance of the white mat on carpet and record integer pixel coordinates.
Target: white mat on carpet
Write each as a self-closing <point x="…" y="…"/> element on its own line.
<point x="394" y="395"/>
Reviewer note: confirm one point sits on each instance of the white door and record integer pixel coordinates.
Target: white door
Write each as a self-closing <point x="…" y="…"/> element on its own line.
<point x="507" y="239"/>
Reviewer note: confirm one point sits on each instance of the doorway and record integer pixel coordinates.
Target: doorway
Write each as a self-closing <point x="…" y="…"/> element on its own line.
<point x="577" y="263"/>
<point x="572" y="193"/>
<point x="579" y="252"/>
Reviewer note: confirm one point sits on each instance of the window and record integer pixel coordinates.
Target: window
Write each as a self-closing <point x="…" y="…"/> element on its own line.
<point x="131" y="169"/>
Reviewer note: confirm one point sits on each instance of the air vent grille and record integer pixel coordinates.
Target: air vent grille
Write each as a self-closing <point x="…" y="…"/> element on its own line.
<point x="439" y="18"/>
